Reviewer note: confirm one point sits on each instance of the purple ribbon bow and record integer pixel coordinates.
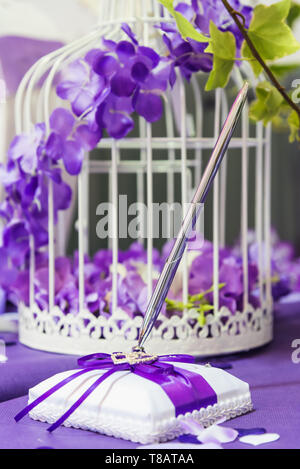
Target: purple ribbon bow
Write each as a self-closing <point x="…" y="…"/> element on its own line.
<point x="188" y="391"/>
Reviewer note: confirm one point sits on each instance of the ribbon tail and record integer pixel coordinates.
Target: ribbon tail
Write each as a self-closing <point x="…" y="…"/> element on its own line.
<point x="181" y="358"/>
<point x="81" y="400"/>
<point x="46" y="394"/>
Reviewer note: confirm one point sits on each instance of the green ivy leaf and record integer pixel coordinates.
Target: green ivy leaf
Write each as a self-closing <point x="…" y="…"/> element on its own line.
<point x="294" y="125"/>
<point x="267" y="104"/>
<point x="294" y="14"/>
<point x="270" y="34"/>
<point x="247" y="54"/>
<point x="185" y="28"/>
<point x="279" y="121"/>
<point x="280" y="70"/>
<point x="223" y="47"/>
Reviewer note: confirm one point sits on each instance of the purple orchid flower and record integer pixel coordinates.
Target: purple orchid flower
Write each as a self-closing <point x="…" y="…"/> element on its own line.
<point x="68" y="142"/>
<point x="25" y="149"/>
<point x="82" y="87"/>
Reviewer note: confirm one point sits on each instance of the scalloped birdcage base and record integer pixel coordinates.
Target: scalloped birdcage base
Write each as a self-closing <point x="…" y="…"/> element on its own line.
<point x="83" y="334"/>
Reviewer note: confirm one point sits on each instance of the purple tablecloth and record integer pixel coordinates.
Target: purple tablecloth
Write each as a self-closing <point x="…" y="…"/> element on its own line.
<point x="26" y="368"/>
<point x="273" y="377"/>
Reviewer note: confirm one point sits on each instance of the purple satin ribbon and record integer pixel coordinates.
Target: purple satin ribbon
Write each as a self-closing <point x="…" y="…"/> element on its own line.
<point x="188" y="391"/>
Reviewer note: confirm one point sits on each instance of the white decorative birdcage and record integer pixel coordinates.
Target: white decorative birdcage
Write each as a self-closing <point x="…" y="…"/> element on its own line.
<point x="223" y="332"/>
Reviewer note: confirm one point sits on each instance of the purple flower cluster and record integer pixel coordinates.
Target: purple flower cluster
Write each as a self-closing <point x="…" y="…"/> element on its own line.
<point x="111" y="83"/>
<point x="131" y="287"/>
<point x="32" y="163"/>
<point x="285" y="267"/>
<point x="132" y="277"/>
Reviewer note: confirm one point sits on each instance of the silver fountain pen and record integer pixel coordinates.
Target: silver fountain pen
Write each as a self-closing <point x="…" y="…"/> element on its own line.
<point x="167" y="275"/>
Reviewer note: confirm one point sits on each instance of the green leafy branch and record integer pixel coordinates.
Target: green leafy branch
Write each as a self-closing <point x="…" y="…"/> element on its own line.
<point x="268" y="38"/>
<point x="198" y="303"/>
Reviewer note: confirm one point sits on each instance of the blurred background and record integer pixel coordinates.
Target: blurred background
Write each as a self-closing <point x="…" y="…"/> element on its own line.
<point x="32" y="28"/>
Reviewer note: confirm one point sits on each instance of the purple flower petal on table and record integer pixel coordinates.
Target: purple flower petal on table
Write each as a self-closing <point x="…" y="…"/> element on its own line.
<point x="212" y="434"/>
<point x="62" y="122"/>
<point x="250" y="431"/>
<point x="217" y="434"/>
<point x="149" y="106"/>
<point x="189" y="439"/>
<point x="191" y="426"/>
<point x="257" y="440"/>
<point x="73" y="157"/>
